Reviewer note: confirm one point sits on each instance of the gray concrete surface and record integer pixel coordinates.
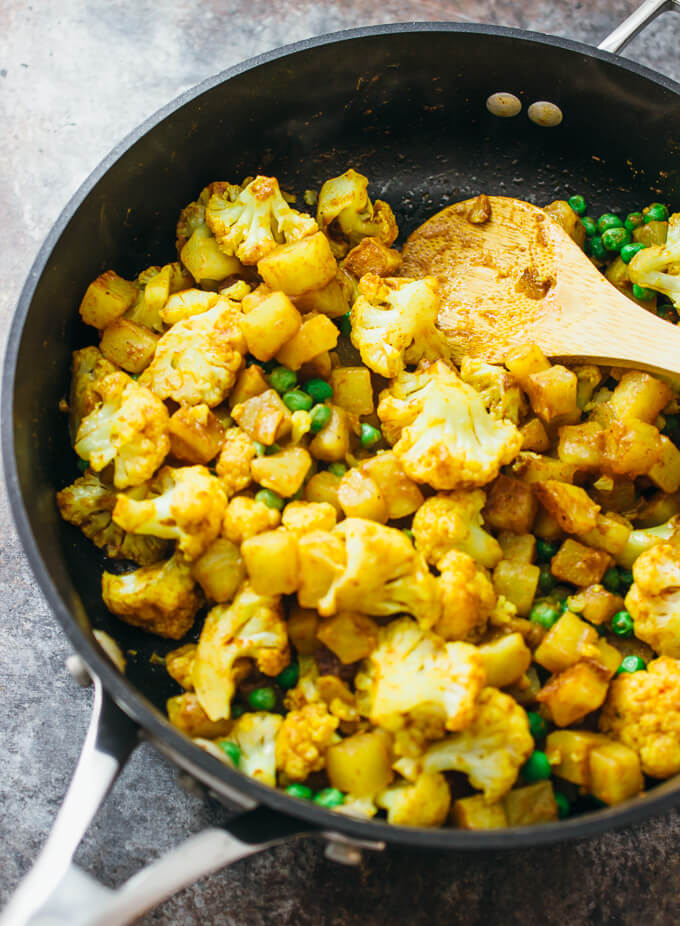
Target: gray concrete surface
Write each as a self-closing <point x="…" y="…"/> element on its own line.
<point x="75" y="76"/>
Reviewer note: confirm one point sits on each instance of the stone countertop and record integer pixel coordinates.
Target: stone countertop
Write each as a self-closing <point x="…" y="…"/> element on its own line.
<point x="75" y="77"/>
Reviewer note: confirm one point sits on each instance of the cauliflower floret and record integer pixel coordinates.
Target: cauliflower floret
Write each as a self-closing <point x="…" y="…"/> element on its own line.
<point x="303" y="739"/>
<point x="129" y="428"/>
<point x="467" y="595"/>
<point x="394" y="323"/>
<point x="383" y="575"/>
<point x="658" y="267"/>
<point x="425" y="802"/>
<point x="414" y="676"/>
<point x="256" y="736"/>
<point x="491" y="750"/>
<point x="192" y="217"/>
<point x="88" y="504"/>
<point x="252" y="223"/>
<point x="188" y="509"/>
<point x="233" y="462"/>
<point x="245" y="517"/>
<point x="347" y="215"/>
<point x="162" y="598"/>
<point x="197" y="360"/>
<point x="499" y="389"/>
<point x="642" y="711"/>
<point x="447" y="437"/>
<point x="252" y="626"/>
<point x="89" y="367"/>
<point x="302" y="517"/>
<point x="654" y="598"/>
<point x="454" y="522"/>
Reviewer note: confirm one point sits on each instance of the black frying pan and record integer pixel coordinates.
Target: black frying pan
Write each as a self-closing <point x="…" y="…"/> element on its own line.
<point x="404" y="104"/>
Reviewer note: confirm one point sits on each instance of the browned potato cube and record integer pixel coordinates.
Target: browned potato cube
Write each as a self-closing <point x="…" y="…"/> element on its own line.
<point x="533" y="804"/>
<point x="350" y="636"/>
<point x="631" y="447"/>
<point x="596" y="604"/>
<point x="523" y="361"/>
<point x="330" y="301"/>
<point x="615" y="774"/>
<point x="359" y="765"/>
<point x="565" y="643"/>
<point x="520" y="548"/>
<point x="323" y="487"/>
<point x="251" y="300"/>
<point x="318" y="367"/>
<point x="505" y="659"/>
<point x="360" y="497"/>
<point x="186" y="713"/>
<point x="640" y="395"/>
<point x="302" y="624"/>
<point x="665" y="473"/>
<point x="610" y="533"/>
<point x="106" y="299"/>
<point x="562" y="213"/>
<point x="179" y="664"/>
<point x="546" y="527"/>
<point x="271" y="561"/>
<point x="129" y="345"/>
<point x="220" y="570"/>
<point x="271" y="325"/>
<point x="371" y="256"/>
<point x="651" y="233"/>
<point x="316" y="335"/>
<point x="300" y="266"/>
<point x="352" y="390"/>
<point x="571" y="506"/>
<point x="195" y="434"/>
<point x="510" y="506"/>
<point x="204" y="260"/>
<point x="582" y="445"/>
<point x="574" y="693"/>
<point x="579" y="564"/>
<point x="532" y="467"/>
<point x="517" y="582"/>
<point x="402" y="495"/>
<point x="264" y="417"/>
<point x="282" y="472"/>
<point x="250" y="382"/>
<point x="332" y="442"/>
<point x="475" y="813"/>
<point x="568" y="752"/>
<point x="552" y="394"/>
<point x="534" y="436"/>
<point x="321" y="559"/>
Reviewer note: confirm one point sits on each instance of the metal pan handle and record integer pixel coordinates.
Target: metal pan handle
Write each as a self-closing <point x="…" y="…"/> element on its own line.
<point x="636" y="22"/>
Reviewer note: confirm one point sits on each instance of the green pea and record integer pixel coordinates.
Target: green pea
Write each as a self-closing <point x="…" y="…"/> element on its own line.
<point x="590" y="225"/>
<point x="626" y="577"/>
<point x="672" y="428"/>
<point x="545" y="613"/>
<point x="656" y="212"/>
<point x="641" y="292"/>
<point x="270" y="499"/>
<point x="338" y="469"/>
<point x="545" y="550"/>
<point x="537" y="767"/>
<point x="622" y="624"/>
<point x="297" y="401"/>
<point x="231" y="750"/>
<point x="409" y="534"/>
<point x="608" y="220"/>
<point x="546" y="580"/>
<point x="612" y="580"/>
<point x="329" y="797"/>
<point x="83" y="465"/>
<point x="631" y="664"/>
<point x="537" y="725"/>
<point x="369" y="436"/>
<point x="596" y="248"/>
<point x="237" y="710"/>
<point x="344" y="325"/>
<point x="301" y="791"/>
<point x="614" y="238"/>
<point x="260" y="448"/>
<point x="272" y="449"/>
<point x="634" y="220"/>
<point x="578" y="204"/>
<point x="282" y="379"/>
<point x="262" y="699"/>
<point x="319" y="389"/>
<point x="320" y="415"/>
<point x="288" y="677"/>
<point x="628" y="251"/>
<point x="563" y="805"/>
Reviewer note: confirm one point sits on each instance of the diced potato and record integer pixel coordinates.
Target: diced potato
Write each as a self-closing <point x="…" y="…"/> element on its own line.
<point x="510" y="506"/>
<point x="582" y="445"/>
<point x="185" y="304"/>
<point x="657" y="510"/>
<point x="129" y="345"/>
<point x="330" y="301"/>
<point x="568" y="752"/>
<point x="195" y="434"/>
<point x="505" y="659"/>
<point x="640" y="395"/>
<point x="570" y="505"/>
<point x="532" y="467"/>
<point x="546" y="527"/>
<point x="106" y="299"/>
<point x="631" y="447"/>
<point x="532" y="804"/>
<point x="318" y="367"/>
<point x="352" y="390"/>
<point x="271" y="561"/>
<point x="300" y="266"/>
<point x="331" y="444"/>
<point x="552" y="394"/>
<point x="614" y="493"/>
<point x="617" y="274"/>
<point x="220" y="570"/>
<point x="302" y="517"/>
<point x="665" y="473"/>
<point x="523" y="361"/>
<point x="520" y="548"/>
<point x="282" y="472"/>
<point x="371" y="256"/>
<point x="321" y="559"/>
<point x="615" y="774"/>
<point x="534" y="436"/>
<point x="323" y="487"/>
<point x="565" y="642"/>
<point x="562" y="213"/>
<point x="596" y="604"/>
<point x="203" y="258"/>
<point x="263" y="417"/>
<point x="651" y="233"/>
<point x="574" y="693"/>
<point x="360" y="497"/>
<point x="607" y="657"/>
<point x="179" y="664"/>
<point x="475" y="813"/>
<point x="252" y="299"/>
<point x="579" y="564"/>
<point x="402" y="495"/>
<point x="250" y="382"/>
<point x="316" y="335"/>
<point x="360" y="765"/>
<point x="350" y="636"/>
<point x="186" y="713"/>
<point x="517" y="582"/>
<point x="157" y="289"/>
<point x="610" y="533"/>
<point x="271" y="325"/>
<point x="302" y="625"/>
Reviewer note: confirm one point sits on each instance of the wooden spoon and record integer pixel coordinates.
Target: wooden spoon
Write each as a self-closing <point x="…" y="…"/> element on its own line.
<point x="510" y="275"/>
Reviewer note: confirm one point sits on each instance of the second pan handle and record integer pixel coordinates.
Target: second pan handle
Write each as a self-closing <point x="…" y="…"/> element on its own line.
<point x="645" y="14"/>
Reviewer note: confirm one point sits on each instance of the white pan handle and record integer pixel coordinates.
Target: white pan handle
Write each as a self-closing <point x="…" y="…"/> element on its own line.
<point x="636" y="22"/>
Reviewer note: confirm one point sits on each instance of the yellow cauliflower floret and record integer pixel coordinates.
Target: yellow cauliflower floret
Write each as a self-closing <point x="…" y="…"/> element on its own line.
<point x="303" y="739"/>
<point x="642" y="711"/>
<point x="244" y="517"/>
<point x="446" y="437"/>
<point x="454" y="522"/>
<point x="654" y="599"/>
<point x="255" y="733"/>
<point x="251" y="223"/>
<point x="302" y="517"/>
<point x="491" y="749"/>
<point x="188" y="509"/>
<point x="128" y="428"/>
<point x="162" y="598"/>
<point x="499" y="389"/>
<point x="424" y="802"/>
<point x="88" y="368"/>
<point x="383" y="575"/>
<point x="347" y="215"/>
<point x="252" y="627"/>
<point x="467" y="595"/>
<point x="414" y="676"/>
<point x="88" y="504"/>
<point x="233" y="462"/>
<point x="658" y="267"/>
<point x="394" y="323"/>
<point x="197" y="360"/>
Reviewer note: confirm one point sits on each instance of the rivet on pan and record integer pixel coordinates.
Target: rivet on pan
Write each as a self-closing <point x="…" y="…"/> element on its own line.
<point x="78" y="670"/>
<point x="545" y="114"/>
<point x="504" y="105"/>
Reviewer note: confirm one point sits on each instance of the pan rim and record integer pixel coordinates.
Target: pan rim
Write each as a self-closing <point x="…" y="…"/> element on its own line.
<point x="132" y="702"/>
